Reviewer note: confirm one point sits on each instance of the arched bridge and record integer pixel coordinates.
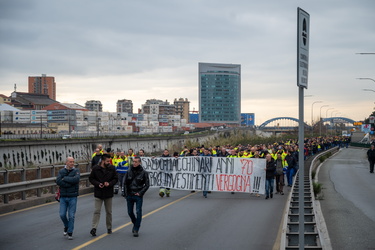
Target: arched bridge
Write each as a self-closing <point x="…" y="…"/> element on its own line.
<point x="338" y="120"/>
<point x="289" y="127"/>
<point x="284" y="124"/>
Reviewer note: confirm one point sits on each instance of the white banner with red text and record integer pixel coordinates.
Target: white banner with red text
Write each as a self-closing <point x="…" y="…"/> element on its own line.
<point x="221" y="174"/>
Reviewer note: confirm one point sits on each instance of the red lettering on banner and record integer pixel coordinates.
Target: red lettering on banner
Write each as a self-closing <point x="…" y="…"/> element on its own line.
<point x="231" y="183"/>
<point x="248" y="165"/>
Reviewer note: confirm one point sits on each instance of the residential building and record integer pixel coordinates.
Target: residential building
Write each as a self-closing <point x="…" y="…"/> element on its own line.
<point x="5" y="99"/>
<point x="94" y="105"/>
<point x="220" y="93"/>
<point x="44" y="84"/>
<point x="159" y="107"/>
<point x="182" y="108"/>
<point x="124" y="106"/>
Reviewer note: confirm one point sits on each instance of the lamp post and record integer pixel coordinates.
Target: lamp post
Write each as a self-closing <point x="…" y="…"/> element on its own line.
<point x="327" y="112"/>
<point x="365" y="78"/>
<point x="332" y="125"/>
<point x="368" y="90"/>
<point x="320" y="117"/>
<point x="312" y="117"/>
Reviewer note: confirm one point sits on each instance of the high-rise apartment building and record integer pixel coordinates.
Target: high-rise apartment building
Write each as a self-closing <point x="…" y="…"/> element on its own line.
<point x="153" y="106"/>
<point x="94" y="105"/>
<point x="182" y="108"/>
<point x="44" y="84"/>
<point x="124" y="106"/>
<point x="220" y="93"/>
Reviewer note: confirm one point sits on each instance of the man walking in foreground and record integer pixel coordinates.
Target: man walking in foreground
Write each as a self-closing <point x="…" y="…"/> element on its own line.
<point x="103" y="177"/>
<point x="136" y="183"/>
<point x="68" y="182"/>
<point x="371" y="157"/>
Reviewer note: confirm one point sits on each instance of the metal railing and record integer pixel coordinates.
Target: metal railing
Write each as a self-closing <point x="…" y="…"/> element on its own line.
<point x="38" y="183"/>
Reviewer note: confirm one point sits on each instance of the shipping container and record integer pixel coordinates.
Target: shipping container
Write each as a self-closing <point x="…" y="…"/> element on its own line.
<point x="163" y="120"/>
<point x="39" y="112"/>
<point x="21" y="119"/>
<point x="154" y="123"/>
<point x="91" y="128"/>
<point x="18" y="113"/>
<point x="56" y="112"/>
<point x="82" y="123"/>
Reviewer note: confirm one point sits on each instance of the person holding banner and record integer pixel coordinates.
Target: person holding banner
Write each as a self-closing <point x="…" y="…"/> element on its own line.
<point x="206" y="153"/>
<point x="270" y="175"/>
<point x="165" y="191"/>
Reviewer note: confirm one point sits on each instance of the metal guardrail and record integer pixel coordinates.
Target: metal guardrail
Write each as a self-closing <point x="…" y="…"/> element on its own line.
<point x="312" y="236"/>
<point x="37" y="184"/>
<point x="34" y="184"/>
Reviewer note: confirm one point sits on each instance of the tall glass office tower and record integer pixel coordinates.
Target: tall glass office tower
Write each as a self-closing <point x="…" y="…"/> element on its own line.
<point x="219" y="93"/>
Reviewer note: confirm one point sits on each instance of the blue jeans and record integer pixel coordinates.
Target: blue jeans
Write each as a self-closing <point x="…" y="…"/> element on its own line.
<point x="68" y="205"/>
<point x="289" y="176"/>
<point x="269" y="186"/>
<point x="131" y="199"/>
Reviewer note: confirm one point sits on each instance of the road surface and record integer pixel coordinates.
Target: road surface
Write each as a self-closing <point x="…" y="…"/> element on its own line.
<point x="183" y="221"/>
<point x="348" y="205"/>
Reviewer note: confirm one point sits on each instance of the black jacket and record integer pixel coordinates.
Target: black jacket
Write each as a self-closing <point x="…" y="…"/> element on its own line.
<point x="270" y="169"/>
<point x="136" y="180"/>
<point x="371" y="155"/>
<point x="292" y="162"/>
<point x="95" y="160"/>
<point x="100" y="175"/>
<point x="68" y="181"/>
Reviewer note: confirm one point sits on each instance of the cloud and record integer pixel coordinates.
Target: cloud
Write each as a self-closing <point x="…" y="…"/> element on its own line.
<point x="140" y="50"/>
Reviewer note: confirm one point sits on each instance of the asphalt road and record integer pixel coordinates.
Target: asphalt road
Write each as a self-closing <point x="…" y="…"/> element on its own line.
<point x="348" y="205"/>
<point x="183" y="221"/>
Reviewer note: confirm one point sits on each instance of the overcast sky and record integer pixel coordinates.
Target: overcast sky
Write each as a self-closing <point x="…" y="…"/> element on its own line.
<point x="143" y="49"/>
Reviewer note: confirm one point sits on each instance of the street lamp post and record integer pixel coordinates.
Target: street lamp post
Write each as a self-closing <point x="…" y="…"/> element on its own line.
<point x="365" y="78"/>
<point x="312" y="117"/>
<point x="327" y="112"/>
<point x="320" y="117"/>
<point x="368" y="90"/>
<point x="332" y="124"/>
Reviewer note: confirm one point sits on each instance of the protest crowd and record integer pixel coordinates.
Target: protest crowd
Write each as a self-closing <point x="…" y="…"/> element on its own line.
<point x="284" y="153"/>
<point x="122" y="172"/>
